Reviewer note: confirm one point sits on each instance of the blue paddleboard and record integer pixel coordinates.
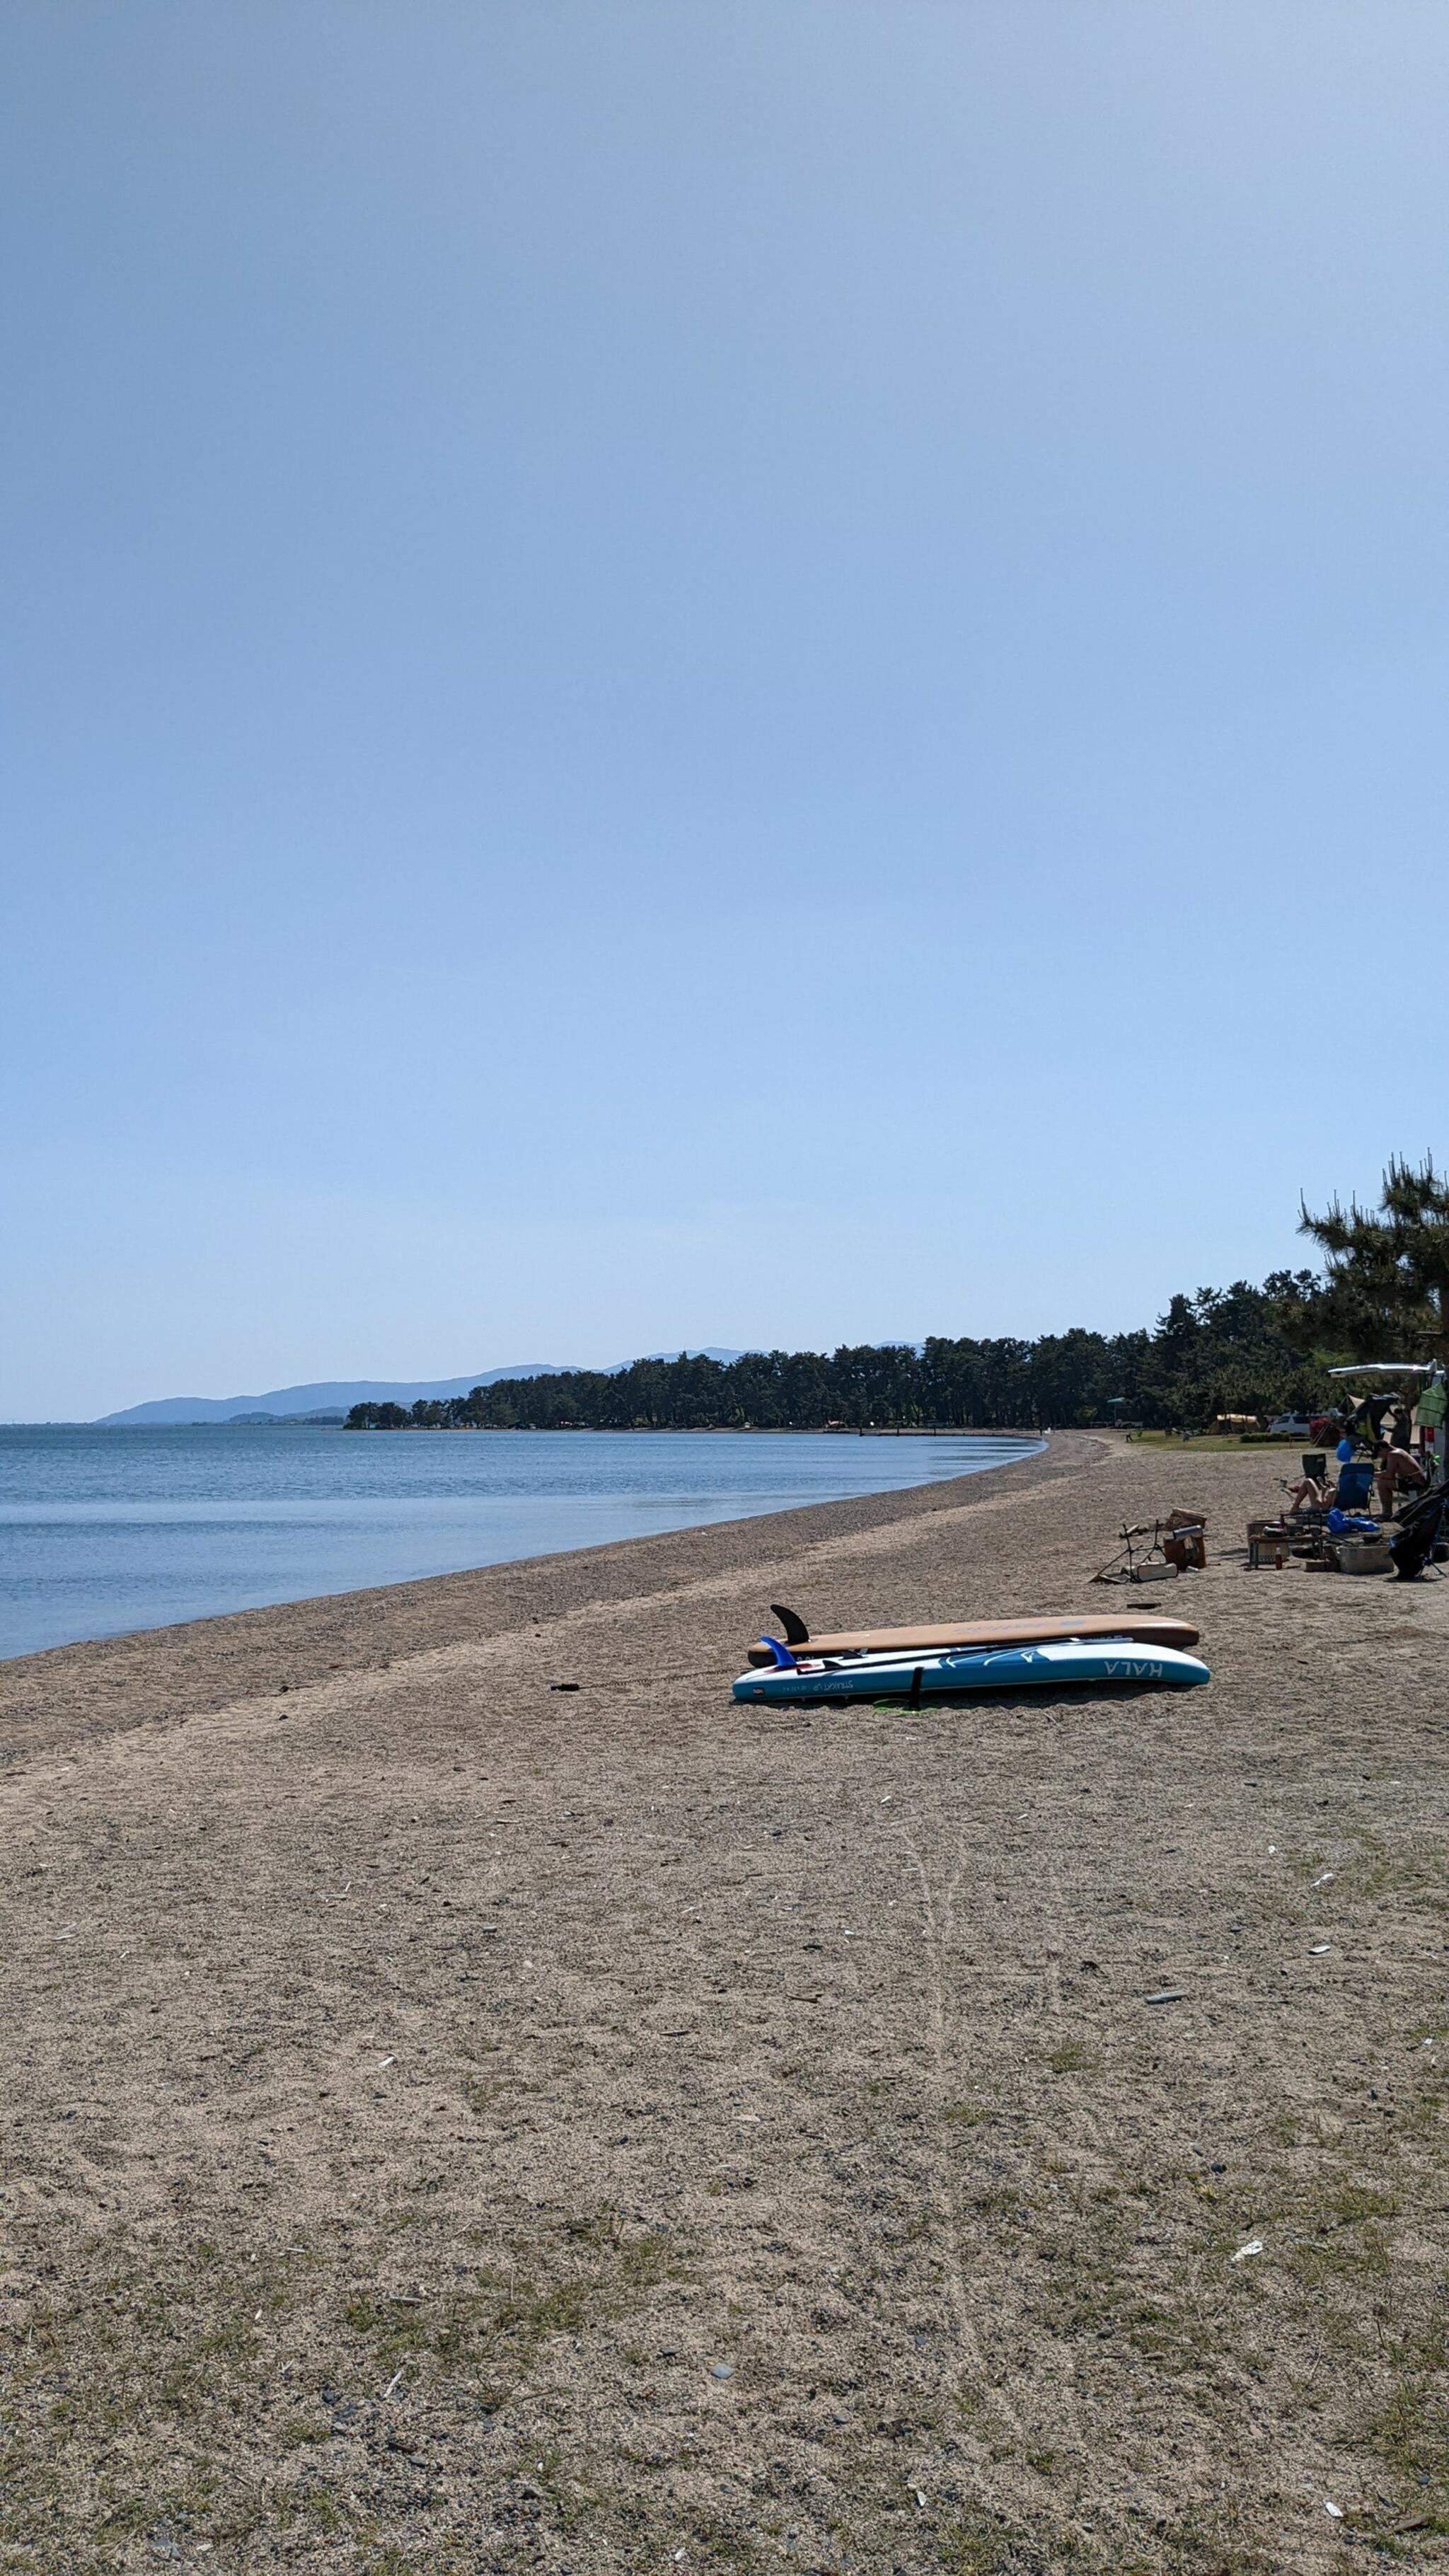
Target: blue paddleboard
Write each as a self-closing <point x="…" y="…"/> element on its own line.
<point x="1099" y="1662"/>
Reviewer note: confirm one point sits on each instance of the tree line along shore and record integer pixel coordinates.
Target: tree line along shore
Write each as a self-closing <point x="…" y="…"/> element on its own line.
<point x="1383" y="1293"/>
<point x="1203" y="1355"/>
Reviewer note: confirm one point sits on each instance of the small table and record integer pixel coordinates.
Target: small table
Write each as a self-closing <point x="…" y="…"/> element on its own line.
<point x="1272" y="1539"/>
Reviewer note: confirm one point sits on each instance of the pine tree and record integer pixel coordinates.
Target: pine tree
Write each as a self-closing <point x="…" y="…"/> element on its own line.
<point x="1388" y="1267"/>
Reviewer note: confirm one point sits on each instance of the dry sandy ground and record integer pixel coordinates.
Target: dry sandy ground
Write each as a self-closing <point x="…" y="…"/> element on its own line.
<point x="451" y="2124"/>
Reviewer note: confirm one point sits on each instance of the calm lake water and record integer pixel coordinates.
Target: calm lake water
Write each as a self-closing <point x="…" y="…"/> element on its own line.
<point x="105" y="1531"/>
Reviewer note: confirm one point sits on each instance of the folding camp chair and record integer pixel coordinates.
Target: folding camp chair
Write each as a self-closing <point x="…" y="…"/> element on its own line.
<point x="1354" y="1494"/>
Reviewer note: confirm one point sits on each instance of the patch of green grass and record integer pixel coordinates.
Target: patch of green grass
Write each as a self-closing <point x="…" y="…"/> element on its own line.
<point x="1172" y="2337"/>
<point x="1422" y="2348"/>
<point x="1418" y="2120"/>
<point x="1209" y="1440"/>
<point x="1283" y="2129"/>
<point x="1072" y="2058"/>
<point x="499" y="2321"/>
<point x="1204" y="2542"/>
<point x="1411" y="2432"/>
<point x="1001" y="2204"/>
<point x="972" y="2546"/>
<point x="1347" y="2232"/>
<point x="293" y="2435"/>
<point x="1377" y="1872"/>
<point x="154" y="2354"/>
<point x="1353" y="2202"/>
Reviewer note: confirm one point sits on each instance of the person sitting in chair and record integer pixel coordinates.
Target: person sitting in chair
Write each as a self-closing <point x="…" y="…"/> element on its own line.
<point x="1393" y="1468"/>
<point x="1308" y="1495"/>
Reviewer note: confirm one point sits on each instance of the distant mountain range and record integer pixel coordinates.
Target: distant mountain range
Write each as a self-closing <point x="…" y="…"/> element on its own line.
<point x="331" y="1398"/>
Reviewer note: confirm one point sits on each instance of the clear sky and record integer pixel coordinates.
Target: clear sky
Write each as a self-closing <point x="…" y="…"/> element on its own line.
<point x="745" y="671"/>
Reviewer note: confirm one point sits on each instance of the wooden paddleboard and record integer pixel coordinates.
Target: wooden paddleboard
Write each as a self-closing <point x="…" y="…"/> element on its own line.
<point x="993" y="1632"/>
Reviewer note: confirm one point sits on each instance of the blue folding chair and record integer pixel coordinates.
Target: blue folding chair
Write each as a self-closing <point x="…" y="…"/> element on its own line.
<point x="1355" y="1485"/>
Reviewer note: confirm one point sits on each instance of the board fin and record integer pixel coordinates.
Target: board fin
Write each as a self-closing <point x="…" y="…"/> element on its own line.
<point x="784" y="1661"/>
<point x="796" y="1632"/>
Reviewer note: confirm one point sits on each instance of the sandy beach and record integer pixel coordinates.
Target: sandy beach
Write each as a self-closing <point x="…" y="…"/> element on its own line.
<point x="456" y="2122"/>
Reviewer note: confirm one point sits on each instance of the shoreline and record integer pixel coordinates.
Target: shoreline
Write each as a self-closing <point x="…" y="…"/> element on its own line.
<point x="420" y="1515"/>
<point x="201" y="1663"/>
<point x="590" y="1430"/>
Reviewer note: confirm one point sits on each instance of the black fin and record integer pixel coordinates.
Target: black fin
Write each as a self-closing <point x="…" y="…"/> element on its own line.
<point x="915" y="1690"/>
<point x="796" y="1632"/>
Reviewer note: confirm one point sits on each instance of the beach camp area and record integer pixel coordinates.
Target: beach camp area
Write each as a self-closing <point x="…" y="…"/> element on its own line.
<point x="457" y="2120"/>
<point x="724" y="1317"/>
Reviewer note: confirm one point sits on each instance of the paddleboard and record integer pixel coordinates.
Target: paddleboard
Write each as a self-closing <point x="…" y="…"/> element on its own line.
<point x="1103" y="1663"/>
<point x="987" y="1632"/>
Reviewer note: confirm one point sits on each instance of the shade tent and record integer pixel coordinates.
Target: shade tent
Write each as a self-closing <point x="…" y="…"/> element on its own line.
<point x="1428" y="1414"/>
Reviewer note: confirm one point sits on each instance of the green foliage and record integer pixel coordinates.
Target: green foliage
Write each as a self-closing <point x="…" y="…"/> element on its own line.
<point x="1235" y="1350"/>
<point x="1225" y="1350"/>
<point x="1388" y="1268"/>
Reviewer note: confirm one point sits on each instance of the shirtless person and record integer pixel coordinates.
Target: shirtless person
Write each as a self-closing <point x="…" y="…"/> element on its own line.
<point x="1393" y="1468"/>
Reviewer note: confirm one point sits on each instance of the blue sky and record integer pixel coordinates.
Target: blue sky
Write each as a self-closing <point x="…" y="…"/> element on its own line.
<point x="755" y="674"/>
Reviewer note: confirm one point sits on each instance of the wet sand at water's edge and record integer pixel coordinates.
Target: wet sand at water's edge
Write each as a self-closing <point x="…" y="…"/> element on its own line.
<point x="452" y="2123"/>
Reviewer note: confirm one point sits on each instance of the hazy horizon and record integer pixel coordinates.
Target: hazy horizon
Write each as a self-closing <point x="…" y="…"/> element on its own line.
<point x="741" y="674"/>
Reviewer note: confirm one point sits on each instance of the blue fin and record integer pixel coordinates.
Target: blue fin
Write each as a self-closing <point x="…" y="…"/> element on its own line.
<point x="784" y="1660"/>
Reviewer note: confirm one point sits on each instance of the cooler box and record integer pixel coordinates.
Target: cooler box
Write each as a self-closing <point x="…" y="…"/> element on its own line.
<point x="1364" y="1556"/>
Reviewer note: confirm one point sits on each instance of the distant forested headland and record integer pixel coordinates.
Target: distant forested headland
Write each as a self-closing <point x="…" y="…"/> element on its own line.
<point x="1231" y="1352"/>
<point x="1384" y="1294"/>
